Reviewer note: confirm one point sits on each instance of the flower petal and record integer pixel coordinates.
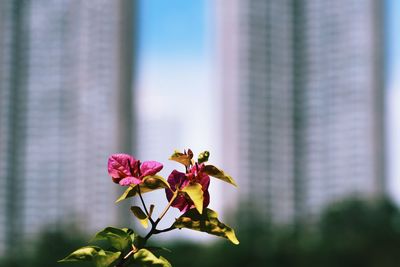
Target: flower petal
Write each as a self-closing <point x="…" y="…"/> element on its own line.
<point x="130" y="181"/>
<point x="180" y="179"/>
<point x="150" y="168"/>
<point x="175" y="179"/>
<point x="204" y="180"/>
<point x="119" y="166"/>
<point x="201" y="177"/>
<point x="206" y="201"/>
<point x="169" y="193"/>
<point x="182" y="203"/>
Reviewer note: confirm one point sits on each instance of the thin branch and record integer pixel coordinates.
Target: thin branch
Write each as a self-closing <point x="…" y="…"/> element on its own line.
<point x="167" y="207"/>
<point x="154" y="225"/>
<point x="172" y="227"/>
<point x="144" y="206"/>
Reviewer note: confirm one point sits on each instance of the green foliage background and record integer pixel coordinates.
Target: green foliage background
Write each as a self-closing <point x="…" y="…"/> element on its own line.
<point x="351" y="233"/>
<point x="48" y="249"/>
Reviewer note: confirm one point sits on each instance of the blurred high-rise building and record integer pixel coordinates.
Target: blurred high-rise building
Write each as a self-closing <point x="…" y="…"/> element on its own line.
<point x="303" y="94"/>
<point x="65" y="105"/>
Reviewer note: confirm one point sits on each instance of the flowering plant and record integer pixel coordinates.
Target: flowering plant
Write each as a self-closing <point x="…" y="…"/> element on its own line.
<point x="187" y="191"/>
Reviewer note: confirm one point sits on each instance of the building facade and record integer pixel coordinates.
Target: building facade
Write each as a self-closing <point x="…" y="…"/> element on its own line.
<point x="65" y="93"/>
<point x="303" y="99"/>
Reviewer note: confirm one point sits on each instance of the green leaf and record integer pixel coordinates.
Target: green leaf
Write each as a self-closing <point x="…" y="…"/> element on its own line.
<point x="105" y="258"/>
<point x="146" y="258"/>
<point x="218" y="173"/>
<point x="129" y="192"/>
<point x="183" y="158"/>
<point x="82" y="254"/>
<point x="207" y="222"/>
<point x="203" y="157"/>
<point x="130" y="233"/>
<point x="152" y="182"/>
<point x="196" y="195"/>
<point x="140" y="215"/>
<point x="151" y="209"/>
<point x="100" y="257"/>
<point x="118" y="238"/>
<point x="139" y="241"/>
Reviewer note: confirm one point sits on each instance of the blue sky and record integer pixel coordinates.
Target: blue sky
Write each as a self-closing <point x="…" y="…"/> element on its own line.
<point x="392" y="27"/>
<point x="172" y="28"/>
<point x="174" y="68"/>
<point x="392" y="43"/>
<point x="175" y="65"/>
<point x="174" y="85"/>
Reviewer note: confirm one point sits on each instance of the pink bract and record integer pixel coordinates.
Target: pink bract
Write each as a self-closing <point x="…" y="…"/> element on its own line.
<point x="178" y="180"/>
<point x="126" y="170"/>
<point x="150" y="168"/>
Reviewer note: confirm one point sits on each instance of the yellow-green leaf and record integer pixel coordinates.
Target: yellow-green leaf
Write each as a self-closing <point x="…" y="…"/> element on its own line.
<point x="218" y="173"/>
<point x="151" y="209"/>
<point x="147" y="258"/>
<point x="207" y="222"/>
<point x="118" y="238"/>
<point x="153" y="182"/>
<point x="105" y="258"/>
<point x="82" y="254"/>
<point x="129" y="192"/>
<point x="203" y="157"/>
<point x="130" y="233"/>
<point x="140" y="215"/>
<point x="196" y="195"/>
<point x="185" y="159"/>
<point x="150" y="183"/>
<point x="100" y="257"/>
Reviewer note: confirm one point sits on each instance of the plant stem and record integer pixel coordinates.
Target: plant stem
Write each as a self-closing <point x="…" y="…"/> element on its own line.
<point x="144" y="206"/>
<point x="123" y="260"/>
<point x="172" y="227"/>
<point x="167" y="207"/>
<point x="153" y="226"/>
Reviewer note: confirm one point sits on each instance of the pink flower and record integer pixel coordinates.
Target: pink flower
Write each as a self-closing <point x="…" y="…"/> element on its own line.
<point x="126" y="170"/>
<point x="178" y="181"/>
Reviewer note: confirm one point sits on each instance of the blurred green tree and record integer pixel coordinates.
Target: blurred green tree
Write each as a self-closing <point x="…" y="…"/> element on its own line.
<point x="49" y="247"/>
<point x="352" y="233"/>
